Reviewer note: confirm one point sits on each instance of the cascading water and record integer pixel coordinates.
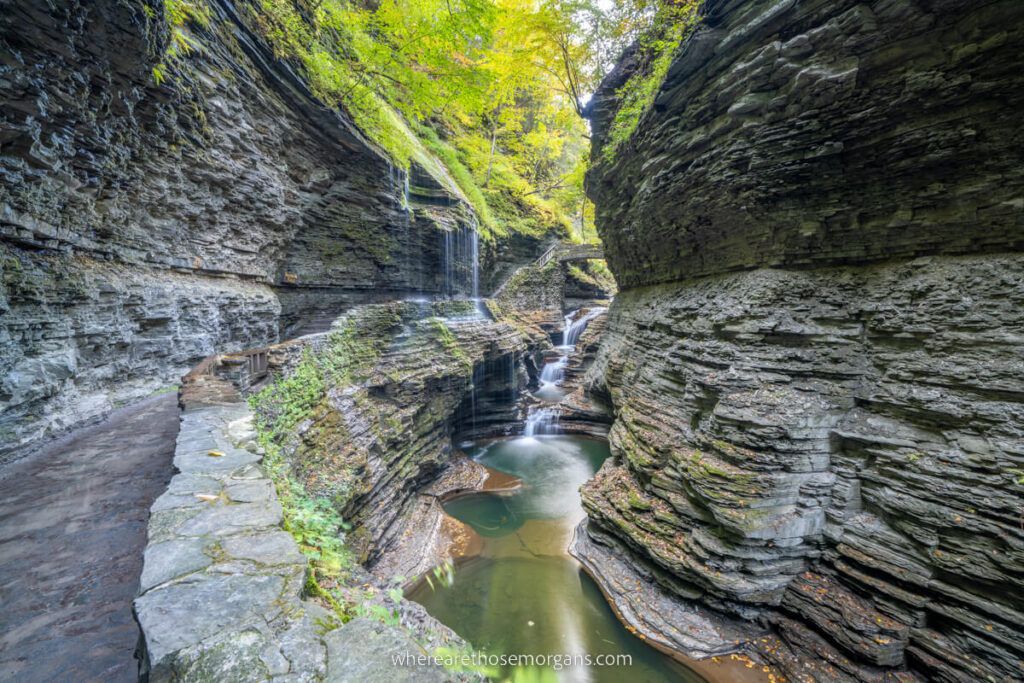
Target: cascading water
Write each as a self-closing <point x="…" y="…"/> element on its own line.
<point x="554" y="372"/>
<point x="551" y="376"/>
<point x="544" y="419"/>
<point x="413" y="259"/>
<point x="460" y="263"/>
<point x="459" y="247"/>
<point x="523" y="592"/>
<point x="574" y="328"/>
<point x="448" y="257"/>
<point x="475" y="262"/>
<point x="541" y="421"/>
<point x="567" y="323"/>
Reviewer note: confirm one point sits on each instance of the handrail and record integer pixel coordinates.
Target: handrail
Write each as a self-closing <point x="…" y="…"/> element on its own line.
<point x="564" y="251"/>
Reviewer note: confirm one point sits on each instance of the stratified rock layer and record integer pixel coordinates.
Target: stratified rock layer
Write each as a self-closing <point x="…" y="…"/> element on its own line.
<point x="808" y="133"/>
<point x="145" y="225"/>
<point x="834" y="451"/>
<point x="399" y="381"/>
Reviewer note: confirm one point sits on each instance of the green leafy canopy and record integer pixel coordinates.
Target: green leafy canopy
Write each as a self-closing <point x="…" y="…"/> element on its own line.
<point x="487" y="93"/>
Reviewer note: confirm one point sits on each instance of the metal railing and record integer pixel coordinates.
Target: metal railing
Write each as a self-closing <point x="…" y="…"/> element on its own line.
<point x="257" y="363"/>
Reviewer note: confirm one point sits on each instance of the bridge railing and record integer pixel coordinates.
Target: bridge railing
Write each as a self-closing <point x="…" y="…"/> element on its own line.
<point x="563" y="251"/>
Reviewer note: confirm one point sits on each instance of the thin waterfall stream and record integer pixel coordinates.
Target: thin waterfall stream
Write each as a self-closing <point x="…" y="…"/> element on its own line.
<point x="523" y="594"/>
<point x="460" y="265"/>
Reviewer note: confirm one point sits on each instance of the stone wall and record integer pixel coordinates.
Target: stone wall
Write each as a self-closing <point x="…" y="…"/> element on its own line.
<point x="140" y="222"/>
<point x="222" y="587"/>
<point x="816" y="363"/>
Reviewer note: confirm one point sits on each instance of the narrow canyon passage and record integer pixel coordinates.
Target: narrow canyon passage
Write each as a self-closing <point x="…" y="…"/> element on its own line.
<point x="523" y="593"/>
<point x="520" y="591"/>
<point x="686" y="330"/>
<point x="72" y="530"/>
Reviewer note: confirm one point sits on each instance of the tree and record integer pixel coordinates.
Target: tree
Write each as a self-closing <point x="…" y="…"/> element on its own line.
<point x="494" y="89"/>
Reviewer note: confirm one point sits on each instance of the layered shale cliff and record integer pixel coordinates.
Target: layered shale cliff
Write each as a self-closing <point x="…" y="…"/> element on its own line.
<point x="148" y="222"/>
<point x="817" y="361"/>
<point x="364" y="414"/>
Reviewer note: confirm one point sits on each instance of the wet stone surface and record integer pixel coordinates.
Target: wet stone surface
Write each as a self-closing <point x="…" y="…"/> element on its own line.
<point x="221" y="596"/>
<point x="72" y="531"/>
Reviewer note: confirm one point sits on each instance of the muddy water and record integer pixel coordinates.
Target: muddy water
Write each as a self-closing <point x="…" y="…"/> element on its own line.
<point x="523" y="594"/>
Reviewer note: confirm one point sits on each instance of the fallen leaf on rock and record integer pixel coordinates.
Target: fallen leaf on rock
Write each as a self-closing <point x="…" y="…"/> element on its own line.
<point x="215" y="454"/>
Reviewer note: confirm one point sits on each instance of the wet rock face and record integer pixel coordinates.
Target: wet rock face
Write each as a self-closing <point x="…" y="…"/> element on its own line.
<point x="144" y="226"/>
<point x="793" y="134"/>
<point x="382" y="427"/>
<point x="833" y="451"/>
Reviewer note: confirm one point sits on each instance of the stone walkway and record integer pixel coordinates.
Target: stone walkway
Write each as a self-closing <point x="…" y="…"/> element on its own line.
<point x="222" y="582"/>
<point x="72" y="532"/>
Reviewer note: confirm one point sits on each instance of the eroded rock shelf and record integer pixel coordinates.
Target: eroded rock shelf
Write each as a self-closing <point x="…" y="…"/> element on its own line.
<point x="816" y="361"/>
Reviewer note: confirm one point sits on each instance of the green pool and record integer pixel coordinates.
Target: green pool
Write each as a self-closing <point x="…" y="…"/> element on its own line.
<point x="524" y="594"/>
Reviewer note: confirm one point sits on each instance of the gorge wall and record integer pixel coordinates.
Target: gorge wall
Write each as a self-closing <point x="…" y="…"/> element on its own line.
<point x="378" y="426"/>
<point x="817" y="361"/>
<point x="145" y="225"/>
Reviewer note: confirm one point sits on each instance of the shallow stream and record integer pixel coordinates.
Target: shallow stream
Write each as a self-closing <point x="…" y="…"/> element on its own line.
<point x="524" y="594"/>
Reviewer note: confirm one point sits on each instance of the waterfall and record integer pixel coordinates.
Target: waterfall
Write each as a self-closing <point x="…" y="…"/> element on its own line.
<point x="413" y="263"/>
<point x="544" y="419"/>
<point x="555" y="371"/>
<point x="541" y="421"/>
<point x="414" y="236"/>
<point x="566" y="324"/>
<point x="460" y="262"/>
<point x="572" y="330"/>
<point x="447" y="264"/>
<point x="475" y="261"/>
<point x="551" y="376"/>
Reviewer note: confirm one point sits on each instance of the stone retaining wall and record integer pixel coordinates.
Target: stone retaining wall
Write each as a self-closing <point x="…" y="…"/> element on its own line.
<point x="221" y="588"/>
